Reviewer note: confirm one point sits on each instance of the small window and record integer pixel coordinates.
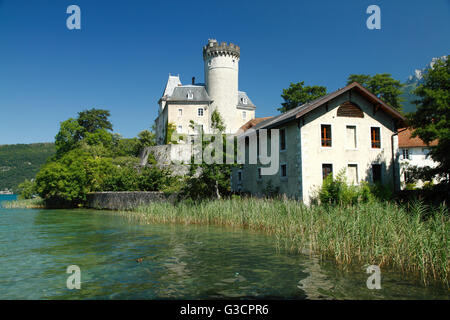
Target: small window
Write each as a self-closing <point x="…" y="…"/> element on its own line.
<point x="180" y="129"/>
<point x="244" y="100"/>
<point x="244" y="115"/>
<point x="376" y="173"/>
<point x="405" y="154"/>
<point x="375" y="137"/>
<point x="325" y="130"/>
<point x="282" y="139"/>
<point x="190" y="95"/>
<point x="239" y="176"/>
<point x="283" y="170"/>
<point x="259" y="174"/>
<point x="180" y="112"/>
<point x="200" y="112"/>
<point x="327" y="169"/>
<point x="351" y="137"/>
<point x="352" y="173"/>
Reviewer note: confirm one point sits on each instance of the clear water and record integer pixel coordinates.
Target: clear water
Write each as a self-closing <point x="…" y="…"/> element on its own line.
<point x="179" y="262"/>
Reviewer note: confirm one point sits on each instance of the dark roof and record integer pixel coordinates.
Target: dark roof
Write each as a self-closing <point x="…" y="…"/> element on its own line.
<point x="180" y="94"/>
<point x="241" y="105"/>
<point x="406" y="141"/>
<point x="310" y="106"/>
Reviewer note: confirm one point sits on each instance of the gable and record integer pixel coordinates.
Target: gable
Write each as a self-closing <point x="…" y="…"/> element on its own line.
<point x="350" y="109"/>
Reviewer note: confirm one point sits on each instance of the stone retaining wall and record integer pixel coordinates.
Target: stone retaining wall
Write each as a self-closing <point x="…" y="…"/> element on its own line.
<point x="125" y="200"/>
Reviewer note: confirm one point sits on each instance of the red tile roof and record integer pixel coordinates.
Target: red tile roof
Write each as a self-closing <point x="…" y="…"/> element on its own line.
<point x="252" y="123"/>
<point x="406" y="141"/>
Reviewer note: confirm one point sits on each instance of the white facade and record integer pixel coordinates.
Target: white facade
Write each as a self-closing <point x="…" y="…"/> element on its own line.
<point x="414" y="157"/>
<point x="182" y="103"/>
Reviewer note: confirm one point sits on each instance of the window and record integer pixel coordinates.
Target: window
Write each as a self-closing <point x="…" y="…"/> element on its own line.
<point x="283" y="170"/>
<point x="375" y="137"/>
<point x="180" y="129"/>
<point x="180" y="112"/>
<point x="282" y="139"/>
<point x="405" y="153"/>
<point x="351" y="137"/>
<point x="190" y="95"/>
<point x="244" y="100"/>
<point x="244" y="114"/>
<point x="325" y="130"/>
<point x="352" y="173"/>
<point x="376" y="173"/>
<point x="200" y="112"/>
<point x="239" y="176"/>
<point x="259" y="174"/>
<point x="327" y="168"/>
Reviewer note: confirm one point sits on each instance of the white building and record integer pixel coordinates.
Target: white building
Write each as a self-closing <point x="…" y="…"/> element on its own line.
<point x="180" y="103"/>
<point x="413" y="152"/>
<point x="350" y="129"/>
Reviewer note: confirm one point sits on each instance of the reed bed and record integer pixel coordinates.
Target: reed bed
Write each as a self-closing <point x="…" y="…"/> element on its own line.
<point x="37" y="203"/>
<point x="384" y="234"/>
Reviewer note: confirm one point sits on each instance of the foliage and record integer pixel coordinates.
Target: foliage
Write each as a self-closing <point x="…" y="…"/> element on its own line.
<point x="90" y="158"/>
<point x="209" y="180"/>
<point x="217" y="121"/>
<point x="337" y="191"/>
<point x="171" y="129"/>
<point x="22" y="161"/>
<point x="432" y="118"/>
<point x="298" y="94"/>
<point x="94" y="119"/>
<point x="26" y="190"/>
<point x="382" y="85"/>
<point x="66" y="181"/>
<point x="130" y="179"/>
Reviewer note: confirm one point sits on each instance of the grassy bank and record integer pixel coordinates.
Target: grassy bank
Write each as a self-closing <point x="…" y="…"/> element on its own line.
<point x="37" y="203"/>
<point x="383" y="234"/>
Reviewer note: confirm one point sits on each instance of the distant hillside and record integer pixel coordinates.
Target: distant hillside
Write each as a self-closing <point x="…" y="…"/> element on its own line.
<point x="411" y="84"/>
<point x="22" y="161"/>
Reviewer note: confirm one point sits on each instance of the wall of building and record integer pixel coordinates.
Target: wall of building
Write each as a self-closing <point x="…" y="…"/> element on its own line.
<point x="417" y="156"/>
<point x="304" y="154"/>
<point x="289" y="185"/>
<point x="340" y="155"/>
<point x="190" y="112"/>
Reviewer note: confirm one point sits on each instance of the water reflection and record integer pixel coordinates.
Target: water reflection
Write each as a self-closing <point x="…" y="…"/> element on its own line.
<point x="120" y="259"/>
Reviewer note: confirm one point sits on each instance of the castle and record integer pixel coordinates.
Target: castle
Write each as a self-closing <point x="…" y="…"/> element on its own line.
<point x="180" y="104"/>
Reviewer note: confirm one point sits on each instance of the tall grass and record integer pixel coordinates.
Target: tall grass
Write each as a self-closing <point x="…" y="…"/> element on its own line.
<point x="379" y="233"/>
<point x="37" y="203"/>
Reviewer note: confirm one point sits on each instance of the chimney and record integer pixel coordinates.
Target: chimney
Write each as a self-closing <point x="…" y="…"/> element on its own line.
<point x="193" y="80"/>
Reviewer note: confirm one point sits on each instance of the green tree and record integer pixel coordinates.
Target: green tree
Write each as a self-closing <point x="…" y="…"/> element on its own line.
<point x="26" y="189"/>
<point x="210" y="180"/>
<point x="94" y="119"/>
<point x="382" y="85"/>
<point x="298" y="94"/>
<point x="66" y="181"/>
<point x="69" y="135"/>
<point x="432" y="118"/>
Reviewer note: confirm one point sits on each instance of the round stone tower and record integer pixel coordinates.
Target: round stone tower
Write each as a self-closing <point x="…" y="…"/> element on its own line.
<point x="221" y="80"/>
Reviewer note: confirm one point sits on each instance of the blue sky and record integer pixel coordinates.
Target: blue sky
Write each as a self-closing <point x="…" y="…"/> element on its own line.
<point x="122" y="56"/>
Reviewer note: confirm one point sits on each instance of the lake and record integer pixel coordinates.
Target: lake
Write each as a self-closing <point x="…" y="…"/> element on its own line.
<point x="178" y="262"/>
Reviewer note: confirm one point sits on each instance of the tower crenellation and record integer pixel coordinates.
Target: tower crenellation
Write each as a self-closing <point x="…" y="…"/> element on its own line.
<point x="213" y="49"/>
